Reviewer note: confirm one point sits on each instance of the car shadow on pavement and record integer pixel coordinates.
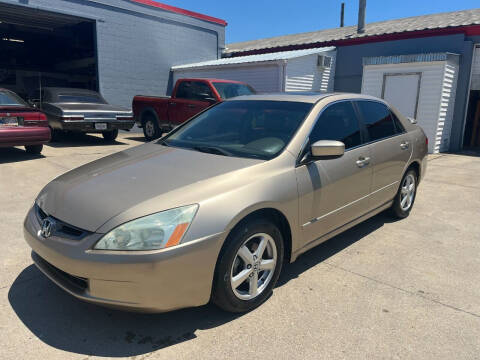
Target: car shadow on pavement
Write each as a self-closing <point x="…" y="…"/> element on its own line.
<point x="332" y="246"/>
<point x="63" y="322"/>
<point x="76" y="140"/>
<point x="139" y="138"/>
<point x="11" y="155"/>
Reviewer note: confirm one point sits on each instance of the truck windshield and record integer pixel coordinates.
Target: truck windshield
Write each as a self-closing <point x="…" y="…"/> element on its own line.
<point x="8" y="98"/>
<point x="228" y="90"/>
<point x="252" y="129"/>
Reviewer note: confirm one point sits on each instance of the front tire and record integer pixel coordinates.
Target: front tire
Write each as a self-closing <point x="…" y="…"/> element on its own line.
<point x="249" y="266"/>
<point x="110" y="136"/>
<point x="406" y="194"/>
<point x="34" y="149"/>
<point x="151" y="130"/>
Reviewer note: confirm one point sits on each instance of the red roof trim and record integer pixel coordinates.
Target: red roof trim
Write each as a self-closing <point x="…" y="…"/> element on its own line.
<point x="177" y="10"/>
<point x="471" y="30"/>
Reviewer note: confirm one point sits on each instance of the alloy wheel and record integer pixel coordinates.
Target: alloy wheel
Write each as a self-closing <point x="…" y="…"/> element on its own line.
<point x="149" y="128"/>
<point x="253" y="266"/>
<point x="407" y="193"/>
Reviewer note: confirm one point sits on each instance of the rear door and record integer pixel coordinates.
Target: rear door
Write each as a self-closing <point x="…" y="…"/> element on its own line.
<point x="333" y="192"/>
<point x="191" y="98"/>
<point x="391" y="149"/>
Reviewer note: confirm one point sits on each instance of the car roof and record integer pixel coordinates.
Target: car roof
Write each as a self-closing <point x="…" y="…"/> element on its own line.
<point x="308" y="97"/>
<point x="213" y="80"/>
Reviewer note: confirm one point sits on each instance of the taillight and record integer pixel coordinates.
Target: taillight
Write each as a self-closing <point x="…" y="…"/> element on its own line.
<point x="34" y="119"/>
<point x="426" y="140"/>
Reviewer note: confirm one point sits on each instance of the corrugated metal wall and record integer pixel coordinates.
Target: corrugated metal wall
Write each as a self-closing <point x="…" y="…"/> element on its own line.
<point x="447" y="105"/>
<point x="137" y="44"/>
<point x="303" y="74"/>
<point x="263" y="77"/>
<point x="436" y="96"/>
<point x="295" y="74"/>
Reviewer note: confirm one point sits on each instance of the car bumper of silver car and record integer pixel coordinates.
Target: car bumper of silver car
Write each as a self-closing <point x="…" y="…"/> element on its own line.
<point x="158" y="281"/>
<point x="91" y="126"/>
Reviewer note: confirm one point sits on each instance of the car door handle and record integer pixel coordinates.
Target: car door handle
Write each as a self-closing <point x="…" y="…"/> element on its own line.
<point x="172" y="103"/>
<point x="363" y="161"/>
<point x="191" y="106"/>
<point x="404" y="145"/>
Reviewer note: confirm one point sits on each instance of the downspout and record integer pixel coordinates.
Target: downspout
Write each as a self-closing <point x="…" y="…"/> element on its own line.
<point x="283" y="72"/>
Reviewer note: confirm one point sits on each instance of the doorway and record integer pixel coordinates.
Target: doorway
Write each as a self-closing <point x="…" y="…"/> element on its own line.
<point x="471" y="138"/>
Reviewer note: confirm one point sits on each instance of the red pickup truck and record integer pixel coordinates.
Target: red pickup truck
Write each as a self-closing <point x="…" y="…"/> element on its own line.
<point x="157" y="115"/>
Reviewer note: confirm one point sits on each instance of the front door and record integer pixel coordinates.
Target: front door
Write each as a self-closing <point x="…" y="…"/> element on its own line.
<point x="333" y="192"/>
<point x="391" y="149"/>
<point x="192" y="97"/>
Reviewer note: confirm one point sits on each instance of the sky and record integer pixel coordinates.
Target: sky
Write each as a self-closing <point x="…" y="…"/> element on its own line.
<point x="257" y="19"/>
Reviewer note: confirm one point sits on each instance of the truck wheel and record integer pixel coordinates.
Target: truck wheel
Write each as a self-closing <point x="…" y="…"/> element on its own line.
<point x="110" y="136"/>
<point x="151" y="129"/>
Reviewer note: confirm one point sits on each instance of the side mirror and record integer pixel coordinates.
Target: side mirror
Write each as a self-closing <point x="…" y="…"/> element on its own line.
<point x="33" y="102"/>
<point x="327" y="148"/>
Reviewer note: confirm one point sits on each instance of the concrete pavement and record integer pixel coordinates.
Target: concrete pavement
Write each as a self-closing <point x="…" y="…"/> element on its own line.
<point x="405" y="289"/>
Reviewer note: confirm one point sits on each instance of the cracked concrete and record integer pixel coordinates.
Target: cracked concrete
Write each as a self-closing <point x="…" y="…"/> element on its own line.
<point x="404" y="289"/>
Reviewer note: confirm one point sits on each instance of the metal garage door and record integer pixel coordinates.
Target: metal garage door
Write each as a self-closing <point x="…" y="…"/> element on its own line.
<point x="402" y="90"/>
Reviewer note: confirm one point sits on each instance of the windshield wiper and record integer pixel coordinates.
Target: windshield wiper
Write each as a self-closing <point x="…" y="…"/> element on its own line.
<point x="212" y="150"/>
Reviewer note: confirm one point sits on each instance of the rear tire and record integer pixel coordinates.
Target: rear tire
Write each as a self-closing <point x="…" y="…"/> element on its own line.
<point x="54" y="135"/>
<point x="110" y="136"/>
<point x="34" y="149"/>
<point x="239" y="284"/>
<point x="407" y="191"/>
<point x="151" y="130"/>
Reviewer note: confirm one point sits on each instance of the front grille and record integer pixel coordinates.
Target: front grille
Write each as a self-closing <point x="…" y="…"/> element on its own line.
<point x="62" y="229"/>
<point x="79" y="283"/>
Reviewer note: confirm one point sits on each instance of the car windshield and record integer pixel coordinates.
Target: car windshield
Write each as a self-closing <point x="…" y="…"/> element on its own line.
<point x="228" y="90"/>
<point x="81" y="98"/>
<point x="242" y="128"/>
<point x="8" y="98"/>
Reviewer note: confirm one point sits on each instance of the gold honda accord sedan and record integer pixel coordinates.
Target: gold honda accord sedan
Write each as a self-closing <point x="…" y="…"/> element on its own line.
<point x="213" y="210"/>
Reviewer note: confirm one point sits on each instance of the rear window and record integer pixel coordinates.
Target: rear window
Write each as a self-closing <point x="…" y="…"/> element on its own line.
<point x="8" y="98"/>
<point x="194" y="90"/>
<point x="378" y="120"/>
<point x="80" y="98"/>
<point x="229" y="90"/>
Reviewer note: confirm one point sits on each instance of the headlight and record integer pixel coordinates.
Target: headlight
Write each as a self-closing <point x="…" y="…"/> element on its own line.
<point x="156" y="231"/>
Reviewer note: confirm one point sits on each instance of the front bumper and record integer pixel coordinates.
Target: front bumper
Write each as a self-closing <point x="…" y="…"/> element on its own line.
<point x="158" y="281"/>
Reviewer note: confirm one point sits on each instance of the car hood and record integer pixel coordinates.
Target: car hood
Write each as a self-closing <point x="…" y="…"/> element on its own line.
<point x="90" y="195"/>
<point x="87" y="107"/>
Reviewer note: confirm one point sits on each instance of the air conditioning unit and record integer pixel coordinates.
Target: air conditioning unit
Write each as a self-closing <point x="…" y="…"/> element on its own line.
<point x="324" y="61"/>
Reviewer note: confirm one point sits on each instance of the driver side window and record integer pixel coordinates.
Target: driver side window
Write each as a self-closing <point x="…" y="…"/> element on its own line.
<point x="338" y="122"/>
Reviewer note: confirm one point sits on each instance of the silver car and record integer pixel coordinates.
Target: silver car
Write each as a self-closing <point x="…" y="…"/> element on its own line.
<point x="71" y="110"/>
<point x="213" y="210"/>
